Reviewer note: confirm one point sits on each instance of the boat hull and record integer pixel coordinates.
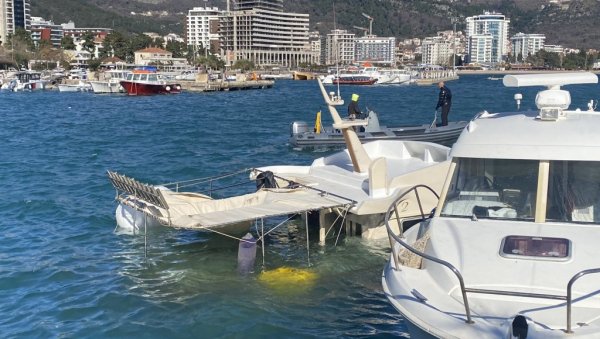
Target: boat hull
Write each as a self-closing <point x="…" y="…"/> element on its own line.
<point x="140" y="88"/>
<point x="444" y="135"/>
<point x="101" y="87"/>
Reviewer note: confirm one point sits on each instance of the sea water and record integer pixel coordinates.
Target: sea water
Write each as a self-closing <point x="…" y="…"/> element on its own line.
<point x="65" y="272"/>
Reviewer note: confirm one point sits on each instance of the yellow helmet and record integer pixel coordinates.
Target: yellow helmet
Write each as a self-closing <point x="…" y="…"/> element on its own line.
<point x="354" y="97"/>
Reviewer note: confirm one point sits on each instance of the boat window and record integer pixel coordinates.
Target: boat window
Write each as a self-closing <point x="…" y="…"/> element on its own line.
<point x="152" y="77"/>
<point x="574" y="191"/>
<point x="137" y="77"/>
<point x="535" y="247"/>
<point x="492" y="188"/>
<point x="130" y="77"/>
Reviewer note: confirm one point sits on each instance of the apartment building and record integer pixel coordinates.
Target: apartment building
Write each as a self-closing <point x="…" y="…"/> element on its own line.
<point x="202" y="28"/>
<point x="524" y="45"/>
<point x="340" y="47"/>
<point x="42" y="29"/>
<point x="14" y="14"/>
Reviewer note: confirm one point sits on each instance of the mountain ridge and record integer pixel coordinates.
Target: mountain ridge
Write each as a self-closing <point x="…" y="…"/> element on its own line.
<point x="574" y="26"/>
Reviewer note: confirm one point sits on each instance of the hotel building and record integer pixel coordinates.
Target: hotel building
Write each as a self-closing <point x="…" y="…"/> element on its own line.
<point x="488" y="31"/>
<point x="376" y="50"/>
<point x="260" y="31"/>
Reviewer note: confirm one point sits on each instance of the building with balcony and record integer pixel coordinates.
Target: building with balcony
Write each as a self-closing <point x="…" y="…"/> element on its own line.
<point x="376" y="50"/>
<point x="260" y="31"/>
<point x="77" y="33"/>
<point x="45" y="30"/>
<point x="524" y="45"/>
<point x="494" y="25"/>
<point x="480" y="49"/>
<point x="14" y="14"/>
<point x="202" y="28"/>
<point x="437" y="51"/>
<point x="340" y="47"/>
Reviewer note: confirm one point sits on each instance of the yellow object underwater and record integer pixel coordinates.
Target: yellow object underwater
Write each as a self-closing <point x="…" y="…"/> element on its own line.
<point x="288" y="279"/>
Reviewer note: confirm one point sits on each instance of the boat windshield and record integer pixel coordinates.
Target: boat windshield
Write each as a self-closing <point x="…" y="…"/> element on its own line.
<point x="574" y="191"/>
<point x="493" y="188"/>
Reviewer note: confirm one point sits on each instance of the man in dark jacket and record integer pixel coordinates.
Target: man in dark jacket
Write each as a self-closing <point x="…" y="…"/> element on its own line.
<point x="444" y="101"/>
<point x="353" y="109"/>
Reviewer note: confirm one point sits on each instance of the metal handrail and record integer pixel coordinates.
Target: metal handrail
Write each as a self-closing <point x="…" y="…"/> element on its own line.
<point x="464" y="290"/>
<point x="419" y="253"/>
<point x="570" y="296"/>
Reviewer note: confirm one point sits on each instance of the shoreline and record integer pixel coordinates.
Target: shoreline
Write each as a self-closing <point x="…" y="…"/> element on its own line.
<point x="492" y="72"/>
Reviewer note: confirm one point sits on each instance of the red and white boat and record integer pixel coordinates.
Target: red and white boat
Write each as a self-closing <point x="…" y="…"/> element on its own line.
<point x="143" y="82"/>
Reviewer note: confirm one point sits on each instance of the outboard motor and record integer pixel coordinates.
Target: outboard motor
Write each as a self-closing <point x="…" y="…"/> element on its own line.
<point x="246" y="254"/>
<point x="266" y="180"/>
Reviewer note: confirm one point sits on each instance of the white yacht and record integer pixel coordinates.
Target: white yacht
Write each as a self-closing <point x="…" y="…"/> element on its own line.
<point x="352" y="188"/>
<point x="511" y="249"/>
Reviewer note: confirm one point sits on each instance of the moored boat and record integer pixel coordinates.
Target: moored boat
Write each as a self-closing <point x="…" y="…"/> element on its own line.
<point x="111" y="83"/>
<point x="511" y="248"/>
<point x="143" y="82"/>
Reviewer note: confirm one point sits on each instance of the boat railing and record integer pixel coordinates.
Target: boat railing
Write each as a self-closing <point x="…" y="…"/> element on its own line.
<point x="392" y="236"/>
<point x="393" y="210"/>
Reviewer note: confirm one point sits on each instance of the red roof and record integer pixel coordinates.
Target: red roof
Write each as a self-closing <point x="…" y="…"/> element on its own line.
<point x="152" y="50"/>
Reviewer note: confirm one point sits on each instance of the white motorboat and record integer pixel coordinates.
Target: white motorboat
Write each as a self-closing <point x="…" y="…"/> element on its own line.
<point x="75" y="87"/>
<point x="356" y="185"/>
<point x="25" y="81"/>
<point x="511" y="249"/>
<point x="111" y="83"/>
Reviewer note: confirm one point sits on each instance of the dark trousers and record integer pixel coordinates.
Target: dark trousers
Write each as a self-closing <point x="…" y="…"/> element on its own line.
<point x="445" y="111"/>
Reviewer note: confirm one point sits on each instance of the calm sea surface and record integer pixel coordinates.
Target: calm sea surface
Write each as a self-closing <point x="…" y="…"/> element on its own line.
<point x="64" y="272"/>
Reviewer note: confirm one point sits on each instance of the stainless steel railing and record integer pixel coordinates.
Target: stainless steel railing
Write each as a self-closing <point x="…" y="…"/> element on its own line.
<point x="397" y="238"/>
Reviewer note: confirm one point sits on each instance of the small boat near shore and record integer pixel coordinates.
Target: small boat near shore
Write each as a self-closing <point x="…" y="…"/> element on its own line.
<point x="144" y="82"/>
<point x="511" y="249"/>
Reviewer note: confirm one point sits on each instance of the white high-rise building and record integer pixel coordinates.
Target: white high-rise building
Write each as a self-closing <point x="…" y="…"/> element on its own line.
<point x="375" y="49"/>
<point x="340" y="47"/>
<point x="260" y="31"/>
<point x="13" y="14"/>
<point x="494" y="25"/>
<point x="525" y="45"/>
<point x="202" y="28"/>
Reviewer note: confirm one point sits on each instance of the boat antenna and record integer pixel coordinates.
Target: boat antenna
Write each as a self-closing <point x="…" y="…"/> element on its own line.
<point x="337" y="51"/>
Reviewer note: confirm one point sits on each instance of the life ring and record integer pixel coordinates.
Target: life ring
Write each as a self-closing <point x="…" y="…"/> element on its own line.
<point x="168" y="88"/>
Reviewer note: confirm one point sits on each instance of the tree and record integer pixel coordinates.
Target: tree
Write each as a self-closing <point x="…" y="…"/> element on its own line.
<point x="88" y="42"/>
<point x="211" y="61"/>
<point x="244" y="65"/>
<point x="179" y="49"/>
<point x="94" y="64"/>
<point x="67" y="43"/>
<point x="116" y="45"/>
